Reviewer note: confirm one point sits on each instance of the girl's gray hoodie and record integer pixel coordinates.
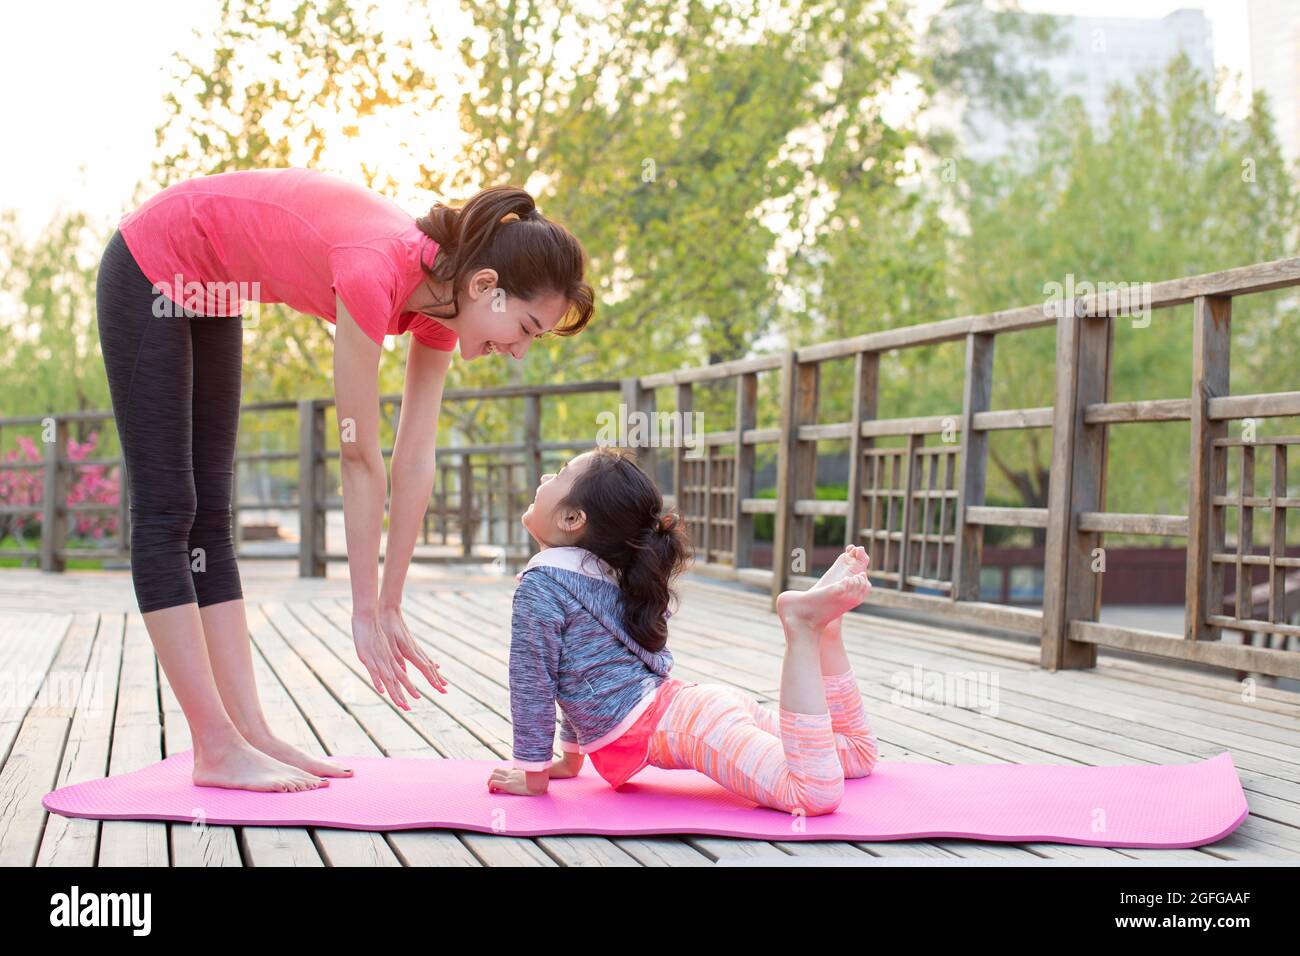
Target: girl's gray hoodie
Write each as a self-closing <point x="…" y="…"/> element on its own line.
<point x="568" y="646"/>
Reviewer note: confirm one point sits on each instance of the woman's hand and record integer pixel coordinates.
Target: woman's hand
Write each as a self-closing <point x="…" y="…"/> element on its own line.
<point x="384" y="645"/>
<point x="510" y="780"/>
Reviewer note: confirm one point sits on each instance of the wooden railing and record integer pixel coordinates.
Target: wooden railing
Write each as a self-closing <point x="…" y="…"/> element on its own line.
<point x="918" y="508"/>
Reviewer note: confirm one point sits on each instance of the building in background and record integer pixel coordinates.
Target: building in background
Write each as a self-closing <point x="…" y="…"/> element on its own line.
<point x="1275" y="65"/>
<point x="1090" y="55"/>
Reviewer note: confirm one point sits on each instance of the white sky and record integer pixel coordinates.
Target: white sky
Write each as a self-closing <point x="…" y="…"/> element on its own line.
<point x="82" y="84"/>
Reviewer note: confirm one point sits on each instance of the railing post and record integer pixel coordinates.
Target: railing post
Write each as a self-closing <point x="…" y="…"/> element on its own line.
<point x="866" y="390"/>
<point x="685" y="406"/>
<point x="796" y="467"/>
<point x="742" y="523"/>
<point x="533" y="451"/>
<point x="54" y="519"/>
<point x="311" y="489"/>
<point x="1208" y="473"/>
<point x="1071" y="589"/>
<point x="913" y="458"/>
<point x="466" y="505"/>
<point x="641" y="401"/>
<point x="977" y="396"/>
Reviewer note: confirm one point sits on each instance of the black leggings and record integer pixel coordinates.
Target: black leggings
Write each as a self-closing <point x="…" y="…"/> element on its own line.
<point x="175" y="381"/>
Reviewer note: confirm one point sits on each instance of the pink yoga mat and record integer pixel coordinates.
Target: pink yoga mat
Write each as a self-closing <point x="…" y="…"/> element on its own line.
<point x="1117" y="806"/>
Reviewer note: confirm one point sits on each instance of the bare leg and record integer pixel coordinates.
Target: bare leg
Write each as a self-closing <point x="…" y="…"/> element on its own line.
<point x="854" y="560"/>
<point x="222" y="757"/>
<point x="225" y="626"/>
<point x="805" y="615"/>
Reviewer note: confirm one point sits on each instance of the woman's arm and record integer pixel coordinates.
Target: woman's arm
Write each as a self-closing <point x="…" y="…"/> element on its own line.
<point x="414" y="463"/>
<point x="365" y="490"/>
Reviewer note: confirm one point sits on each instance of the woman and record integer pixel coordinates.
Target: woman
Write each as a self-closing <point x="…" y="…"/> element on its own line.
<point x="491" y="275"/>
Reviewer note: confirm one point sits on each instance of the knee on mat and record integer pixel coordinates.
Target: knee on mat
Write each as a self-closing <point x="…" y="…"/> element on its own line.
<point x="859" y="756"/>
<point x="821" y="807"/>
<point x="826" y="798"/>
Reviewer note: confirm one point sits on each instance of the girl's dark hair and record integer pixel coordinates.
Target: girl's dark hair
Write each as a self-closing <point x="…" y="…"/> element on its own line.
<point x="627" y="528"/>
<point x="532" y="256"/>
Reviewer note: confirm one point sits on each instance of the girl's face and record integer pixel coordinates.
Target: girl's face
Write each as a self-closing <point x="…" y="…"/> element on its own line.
<point x="549" y="523"/>
<point x="490" y="321"/>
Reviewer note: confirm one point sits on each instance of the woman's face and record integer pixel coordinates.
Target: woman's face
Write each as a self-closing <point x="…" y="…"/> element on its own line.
<point x="491" y="322"/>
<point x="548" y="522"/>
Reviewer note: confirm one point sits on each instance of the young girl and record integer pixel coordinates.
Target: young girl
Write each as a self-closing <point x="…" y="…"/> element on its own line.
<point x="589" y="631"/>
<point x="489" y="276"/>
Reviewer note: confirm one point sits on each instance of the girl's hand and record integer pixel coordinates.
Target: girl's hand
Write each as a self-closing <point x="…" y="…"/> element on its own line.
<point x="510" y="780"/>
<point x="384" y="645"/>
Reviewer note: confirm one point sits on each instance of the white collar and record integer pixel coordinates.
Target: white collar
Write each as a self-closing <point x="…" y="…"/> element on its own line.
<point x="575" y="559"/>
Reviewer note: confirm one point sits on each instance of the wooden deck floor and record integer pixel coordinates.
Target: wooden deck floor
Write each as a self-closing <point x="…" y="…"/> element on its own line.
<point x="56" y="630"/>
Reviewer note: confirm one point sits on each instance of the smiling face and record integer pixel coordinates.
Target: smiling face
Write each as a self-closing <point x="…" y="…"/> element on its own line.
<point x="490" y="321"/>
<point x="550" y="524"/>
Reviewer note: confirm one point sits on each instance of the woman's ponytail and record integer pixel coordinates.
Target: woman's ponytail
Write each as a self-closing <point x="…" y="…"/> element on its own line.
<point x="500" y="228"/>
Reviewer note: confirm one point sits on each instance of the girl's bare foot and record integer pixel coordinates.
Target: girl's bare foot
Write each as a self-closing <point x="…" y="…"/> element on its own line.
<point x="819" y="606"/>
<point x="288" y="754"/>
<point x="852" y="560"/>
<point x="244" y="767"/>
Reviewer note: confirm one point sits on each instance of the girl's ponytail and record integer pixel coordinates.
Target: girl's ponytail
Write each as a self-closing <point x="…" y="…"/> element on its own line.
<point x="658" y="555"/>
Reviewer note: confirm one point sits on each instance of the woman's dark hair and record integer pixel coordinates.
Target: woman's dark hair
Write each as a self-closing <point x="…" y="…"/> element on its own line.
<point x="532" y="256"/>
<point x="627" y="528"/>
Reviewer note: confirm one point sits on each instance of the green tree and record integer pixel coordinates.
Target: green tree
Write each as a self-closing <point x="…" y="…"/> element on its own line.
<point x="1168" y="187"/>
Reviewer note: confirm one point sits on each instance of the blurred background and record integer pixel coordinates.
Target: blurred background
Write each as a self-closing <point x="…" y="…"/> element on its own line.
<point x="745" y="177"/>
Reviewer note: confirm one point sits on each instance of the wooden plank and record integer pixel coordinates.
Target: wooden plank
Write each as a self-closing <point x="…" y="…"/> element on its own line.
<point x="54" y="517"/>
<point x="1071" y="589"/>
<point x="1115" y="522"/>
<point x="1270" y="405"/>
<point x="977" y="395"/>
<point x="742" y="542"/>
<point x="31" y="767"/>
<point x="1277" y="538"/>
<point x="1151" y="410"/>
<point x="1006" y="517"/>
<point x="1207" y="476"/>
<point x="1236" y="656"/>
<point x="866" y="396"/>
<point x="137" y="732"/>
<point x="74" y="842"/>
<point x="712" y="373"/>
<point x="642" y="401"/>
<point x="906" y="542"/>
<point x="1243" y="608"/>
<point x="311" y="490"/>
<point x="685" y="500"/>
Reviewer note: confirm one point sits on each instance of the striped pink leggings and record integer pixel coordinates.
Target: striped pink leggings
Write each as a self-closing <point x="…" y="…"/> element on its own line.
<point x="792" y="762"/>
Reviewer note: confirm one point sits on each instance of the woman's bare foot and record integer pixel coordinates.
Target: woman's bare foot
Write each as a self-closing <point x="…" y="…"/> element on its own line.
<point x="852" y="560"/>
<point x="244" y="767"/>
<point x="288" y="754"/>
<point x="819" y="606"/>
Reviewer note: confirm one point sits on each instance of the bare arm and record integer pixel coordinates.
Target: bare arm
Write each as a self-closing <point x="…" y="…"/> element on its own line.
<point x="383" y="650"/>
<point x="414" y="463"/>
<point x="365" y="481"/>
